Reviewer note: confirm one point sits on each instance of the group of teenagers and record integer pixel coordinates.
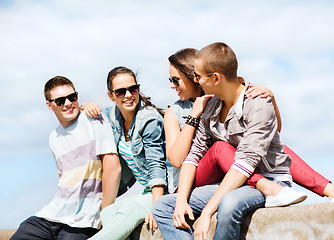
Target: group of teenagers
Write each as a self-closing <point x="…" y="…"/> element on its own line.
<point x="215" y="150"/>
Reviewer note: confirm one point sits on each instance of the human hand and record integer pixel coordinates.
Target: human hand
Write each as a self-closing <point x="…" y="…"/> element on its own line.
<point x="199" y="105"/>
<point x="91" y="109"/>
<point x="150" y="221"/>
<point x="181" y="210"/>
<point x="258" y="90"/>
<point x="202" y="227"/>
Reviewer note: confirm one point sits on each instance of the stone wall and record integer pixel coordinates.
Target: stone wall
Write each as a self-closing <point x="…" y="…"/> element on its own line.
<point x="299" y="222"/>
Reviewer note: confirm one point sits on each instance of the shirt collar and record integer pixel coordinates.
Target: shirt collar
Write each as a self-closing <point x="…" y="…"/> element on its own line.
<point x="239" y="104"/>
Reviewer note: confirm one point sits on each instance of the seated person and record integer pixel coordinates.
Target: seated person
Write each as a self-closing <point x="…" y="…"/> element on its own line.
<point x="82" y="147"/>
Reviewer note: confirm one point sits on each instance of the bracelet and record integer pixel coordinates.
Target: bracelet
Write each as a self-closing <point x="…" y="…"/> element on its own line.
<point x="192" y="121"/>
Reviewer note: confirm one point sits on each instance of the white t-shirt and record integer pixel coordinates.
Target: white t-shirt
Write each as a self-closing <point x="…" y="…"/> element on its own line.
<point x="76" y="149"/>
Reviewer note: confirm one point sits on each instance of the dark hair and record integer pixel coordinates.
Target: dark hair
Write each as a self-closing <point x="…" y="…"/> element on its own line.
<point x="124" y="70"/>
<point x="56" y="82"/>
<point x="184" y="60"/>
<point x="219" y="57"/>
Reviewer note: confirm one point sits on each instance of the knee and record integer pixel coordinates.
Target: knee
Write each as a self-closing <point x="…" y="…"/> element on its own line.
<point x="221" y="147"/>
<point x="228" y="207"/>
<point x="222" y="144"/>
<point x="157" y="206"/>
<point x="163" y="206"/>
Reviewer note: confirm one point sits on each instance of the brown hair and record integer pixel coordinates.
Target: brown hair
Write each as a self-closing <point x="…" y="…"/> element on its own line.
<point x="219" y="57"/>
<point x="124" y="70"/>
<point x="184" y="60"/>
<point x="56" y="82"/>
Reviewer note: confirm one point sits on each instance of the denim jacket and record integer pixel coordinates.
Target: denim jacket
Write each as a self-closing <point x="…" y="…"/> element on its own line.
<point x="147" y="143"/>
<point x="253" y="132"/>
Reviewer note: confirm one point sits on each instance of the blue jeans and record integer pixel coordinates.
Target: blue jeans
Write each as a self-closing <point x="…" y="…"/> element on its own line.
<point x="35" y="228"/>
<point x="232" y="208"/>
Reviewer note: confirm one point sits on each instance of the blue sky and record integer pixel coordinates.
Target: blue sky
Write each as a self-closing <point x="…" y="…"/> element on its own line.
<point x="287" y="46"/>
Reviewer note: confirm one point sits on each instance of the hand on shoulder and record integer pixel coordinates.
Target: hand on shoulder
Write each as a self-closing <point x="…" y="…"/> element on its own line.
<point x="91" y="109"/>
<point x="258" y="90"/>
<point x="199" y="105"/>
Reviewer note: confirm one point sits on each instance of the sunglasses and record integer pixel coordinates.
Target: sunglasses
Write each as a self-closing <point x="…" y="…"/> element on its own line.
<point x="175" y="81"/>
<point x="134" y="89"/>
<point x="61" y="100"/>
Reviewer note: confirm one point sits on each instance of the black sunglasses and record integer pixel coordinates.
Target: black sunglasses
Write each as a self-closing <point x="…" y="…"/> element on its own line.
<point x="175" y="81"/>
<point x="134" y="89"/>
<point x="61" y="100"/>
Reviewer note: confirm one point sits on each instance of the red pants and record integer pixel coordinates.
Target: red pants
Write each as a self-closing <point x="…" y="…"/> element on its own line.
<point x="220" y="157"/>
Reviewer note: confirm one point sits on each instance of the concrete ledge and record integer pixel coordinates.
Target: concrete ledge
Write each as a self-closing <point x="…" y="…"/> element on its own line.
<point x="299" y="222"/>
<point x="309" y="222"/>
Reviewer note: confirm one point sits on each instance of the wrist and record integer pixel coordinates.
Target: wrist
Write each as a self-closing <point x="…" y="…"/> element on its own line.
<point x="192" y="121"/>
<point x="206" y="214"/>
<point x="194" y="114"/>
<point x="180" y="199"/>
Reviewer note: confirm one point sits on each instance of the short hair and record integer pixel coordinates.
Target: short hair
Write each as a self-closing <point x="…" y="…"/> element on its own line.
<point x="56" y="82"/>
<point x="219" y="57"/>
<point x="184" y="60"/>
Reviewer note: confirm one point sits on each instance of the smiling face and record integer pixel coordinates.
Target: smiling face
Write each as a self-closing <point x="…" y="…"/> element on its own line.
<point x="205" y="80"/>
<point x="67" y="112"/>
<point x="186" y="89"/>
<point x="126" y="104"/>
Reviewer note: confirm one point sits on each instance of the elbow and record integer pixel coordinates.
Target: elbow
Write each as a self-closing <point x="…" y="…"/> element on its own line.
<point x="114" y="172"/>
<point x="118" y="171"/>
<point x="174" y="161"/>
<point x="177" y="164"/>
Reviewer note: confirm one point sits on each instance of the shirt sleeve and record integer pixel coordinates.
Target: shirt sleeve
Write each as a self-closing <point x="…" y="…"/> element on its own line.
<point x="260" y="129"/>
<point x="202" y="141"/>
<point x="154" y="145"/>
<point x="104" y="137"/>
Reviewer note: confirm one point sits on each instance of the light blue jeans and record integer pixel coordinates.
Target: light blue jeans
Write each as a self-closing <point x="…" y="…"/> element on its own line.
<point x="121" y="218"/>
<point x="232" y="208"/>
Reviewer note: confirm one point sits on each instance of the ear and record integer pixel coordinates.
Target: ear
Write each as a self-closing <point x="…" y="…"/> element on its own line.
<point x="48" y="104"/>
<point x="218" y="78"/>
<point x="110" y="95"/>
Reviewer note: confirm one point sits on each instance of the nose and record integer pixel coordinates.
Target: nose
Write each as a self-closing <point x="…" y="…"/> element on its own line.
<point x="67" y="102"/>
<point x="172" y="85"/>
<point x="127" y="93"/>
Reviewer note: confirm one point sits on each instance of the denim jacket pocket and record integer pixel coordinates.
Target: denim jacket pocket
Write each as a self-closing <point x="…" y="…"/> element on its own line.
<point x="138" y="146"/>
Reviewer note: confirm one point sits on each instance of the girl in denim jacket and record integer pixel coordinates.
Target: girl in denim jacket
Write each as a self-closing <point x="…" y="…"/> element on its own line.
<point x="139" y="136"/>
